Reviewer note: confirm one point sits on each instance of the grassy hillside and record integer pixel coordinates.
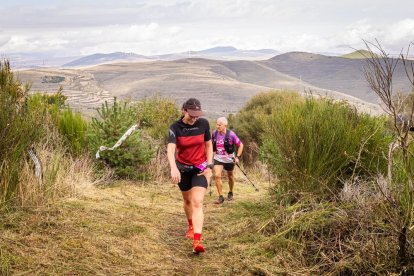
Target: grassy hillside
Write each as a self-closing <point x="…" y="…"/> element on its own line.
<point x="358" y="54"/>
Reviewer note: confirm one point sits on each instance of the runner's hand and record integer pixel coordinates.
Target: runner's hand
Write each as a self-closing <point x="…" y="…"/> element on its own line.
<point x="175" y="175"/>
<point x="236" y="160"/>
<point x="207" y="173"/>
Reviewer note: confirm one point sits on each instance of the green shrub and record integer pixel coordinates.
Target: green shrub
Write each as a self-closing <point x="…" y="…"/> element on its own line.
<point x="113" y="121"/>
<point x="70" y="124"/>
<point x="73" y="127"/>
<point x="20" y="127"/>
<point x="313" y="144"/>
<point x="31" y="122"/>
<point x="250" y="122"/>
<point x="52" y="79"/>
<point x="155" y="115"/>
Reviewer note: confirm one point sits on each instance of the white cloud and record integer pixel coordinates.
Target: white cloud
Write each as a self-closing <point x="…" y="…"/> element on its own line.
<point x="4" y="39"/>
<point x="162" y="26"/>
<point x="401" y="31"/>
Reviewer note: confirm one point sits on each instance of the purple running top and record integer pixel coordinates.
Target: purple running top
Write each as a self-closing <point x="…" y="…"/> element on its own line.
<point x="221" y="155"/>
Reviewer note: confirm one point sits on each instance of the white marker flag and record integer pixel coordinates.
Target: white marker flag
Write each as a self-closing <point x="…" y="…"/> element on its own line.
<point x="120" y="141"/>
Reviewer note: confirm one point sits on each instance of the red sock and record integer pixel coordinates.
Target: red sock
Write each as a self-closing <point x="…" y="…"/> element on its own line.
<point x="197" y="236"/>
<point x="190" y="222"/>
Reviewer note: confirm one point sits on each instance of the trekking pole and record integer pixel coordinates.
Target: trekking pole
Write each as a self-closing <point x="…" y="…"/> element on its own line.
<point x="211" y="183"/>
<point x="257" y="189"/>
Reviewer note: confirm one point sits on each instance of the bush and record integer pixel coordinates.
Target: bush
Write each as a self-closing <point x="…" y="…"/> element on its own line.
<point x="155" y="115"/>
<point x="331" y="238"/>
<point x="250" y="122"/>
<point x="74" y="128"/>
<point x="312" y="145"/>
<point x="70" y="124"/>
<point x="20" y="127"/>
<point x="30" y="122"/>
<point x="113" y="121"/>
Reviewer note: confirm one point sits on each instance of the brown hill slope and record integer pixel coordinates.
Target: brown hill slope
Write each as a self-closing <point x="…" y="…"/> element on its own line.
<point x="223" y="86"/>
<point x="333" y="73"/>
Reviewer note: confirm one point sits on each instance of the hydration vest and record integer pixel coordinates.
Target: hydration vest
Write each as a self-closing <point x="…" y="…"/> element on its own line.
<point x="227" y="146"/>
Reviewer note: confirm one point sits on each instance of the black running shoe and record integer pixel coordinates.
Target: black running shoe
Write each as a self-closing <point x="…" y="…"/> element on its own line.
<point x="220" y="200"/>
<point x="230" y="196"/>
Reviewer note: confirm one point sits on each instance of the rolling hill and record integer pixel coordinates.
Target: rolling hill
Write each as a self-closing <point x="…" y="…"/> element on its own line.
<point x="333" y="73"/>
<point x="224" y="86"/>
<point x="358" y="54"/>
<point x="96" y="59"/>
<point x="217" y="53"/>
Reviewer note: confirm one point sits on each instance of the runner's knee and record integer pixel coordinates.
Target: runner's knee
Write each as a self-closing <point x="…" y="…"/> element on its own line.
<point x="197" y="204"/>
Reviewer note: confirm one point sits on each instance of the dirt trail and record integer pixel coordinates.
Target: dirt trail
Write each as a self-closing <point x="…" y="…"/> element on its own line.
<point x="126" y="229"/>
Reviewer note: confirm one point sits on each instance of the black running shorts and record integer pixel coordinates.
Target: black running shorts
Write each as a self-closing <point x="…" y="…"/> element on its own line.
<point x="191" y="179"/>
<point x="227" y="166"/>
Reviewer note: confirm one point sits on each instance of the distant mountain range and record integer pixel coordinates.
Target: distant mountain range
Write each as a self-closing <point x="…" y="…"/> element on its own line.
<point x="229" y="53"/>
<point x="218" y="53"/>
<point x="105" y="58"/>
<point x="27" y="61"/>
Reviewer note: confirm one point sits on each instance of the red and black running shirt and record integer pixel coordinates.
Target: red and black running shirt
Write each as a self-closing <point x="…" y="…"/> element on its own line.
<point x="189" y="140"/>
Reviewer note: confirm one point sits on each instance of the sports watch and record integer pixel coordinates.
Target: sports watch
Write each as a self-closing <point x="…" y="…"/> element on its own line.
<point x="211" y="166"/>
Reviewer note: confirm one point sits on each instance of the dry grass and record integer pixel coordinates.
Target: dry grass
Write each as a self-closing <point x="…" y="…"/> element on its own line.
<point x="63" y="176"/>
<point x="131" y="228"/>
<point x="123" y="229"/>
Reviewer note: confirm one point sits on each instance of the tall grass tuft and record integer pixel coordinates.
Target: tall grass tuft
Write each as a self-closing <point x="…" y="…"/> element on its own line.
<point x="30" y="122"/>
<point x="74" y="128"/>
<point x="311" y="144"/>
<point x="20" y="127"/>
<point x="71" y="125"/>
<point x="250" y="122"/>
<point x="314" y="145"/>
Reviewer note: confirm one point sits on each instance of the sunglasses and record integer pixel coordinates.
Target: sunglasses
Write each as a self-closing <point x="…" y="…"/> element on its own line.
<point x="192" y="117"/>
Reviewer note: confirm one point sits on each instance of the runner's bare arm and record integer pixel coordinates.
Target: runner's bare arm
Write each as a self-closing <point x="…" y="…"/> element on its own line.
<point x="239" y="152"/>
<point x="209" y="152"/>
<point x="175" y="173"/>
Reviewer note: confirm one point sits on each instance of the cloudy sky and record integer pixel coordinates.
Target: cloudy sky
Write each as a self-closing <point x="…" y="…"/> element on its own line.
<point x="81" y="27"/>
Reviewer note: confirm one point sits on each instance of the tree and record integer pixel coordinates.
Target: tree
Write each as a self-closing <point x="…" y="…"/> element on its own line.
<point x="379" y="72"/>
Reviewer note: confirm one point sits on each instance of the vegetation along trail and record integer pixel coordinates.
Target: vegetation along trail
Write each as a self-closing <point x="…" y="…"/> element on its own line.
<point x="127" y="229"/>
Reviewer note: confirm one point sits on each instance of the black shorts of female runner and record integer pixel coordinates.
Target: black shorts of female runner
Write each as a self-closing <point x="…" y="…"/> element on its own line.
<point x="191" y="179"/>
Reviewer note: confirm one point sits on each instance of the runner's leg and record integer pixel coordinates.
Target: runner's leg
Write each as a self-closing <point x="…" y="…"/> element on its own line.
<point x="197" y="198"/>
<point x="230" y="175"/>
<point x="217" y="173"/>
<point x="185" y="186"/>
<point x="187" y="204"/>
